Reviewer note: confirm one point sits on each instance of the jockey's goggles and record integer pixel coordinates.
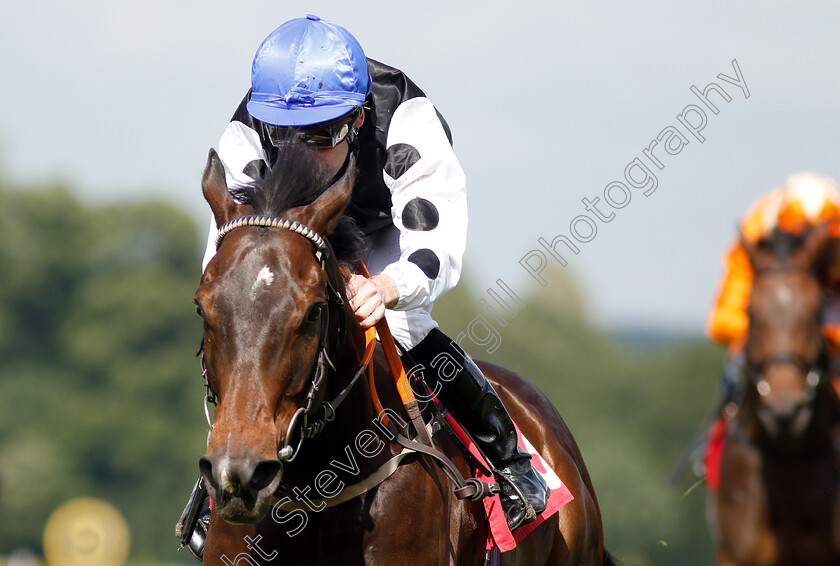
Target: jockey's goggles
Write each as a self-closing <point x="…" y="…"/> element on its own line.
<point x="325" y="135"/>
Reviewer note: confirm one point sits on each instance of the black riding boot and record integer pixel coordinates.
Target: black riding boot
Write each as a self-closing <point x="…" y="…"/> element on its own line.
<point x="476" y="405"/>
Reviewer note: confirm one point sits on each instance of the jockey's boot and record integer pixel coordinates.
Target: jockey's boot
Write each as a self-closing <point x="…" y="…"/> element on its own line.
<point x="476" y="405"/>
<point x="733" y="379"/>
<point x="732" y="383"/>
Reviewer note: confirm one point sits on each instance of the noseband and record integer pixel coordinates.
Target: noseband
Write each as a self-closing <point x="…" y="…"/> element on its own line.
<point x="315" y="412"/>
<point x="813" y="370"/>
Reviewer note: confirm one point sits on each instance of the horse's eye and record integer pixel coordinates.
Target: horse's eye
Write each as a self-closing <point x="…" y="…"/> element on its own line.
<point x="313" y="317"/>
<point x="314" y="314"/>
<point x="198" y="311"/>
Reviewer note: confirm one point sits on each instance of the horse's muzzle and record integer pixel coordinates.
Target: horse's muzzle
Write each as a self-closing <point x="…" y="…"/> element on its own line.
<point x="785" y="420"/>
<point x="241" y="488"/>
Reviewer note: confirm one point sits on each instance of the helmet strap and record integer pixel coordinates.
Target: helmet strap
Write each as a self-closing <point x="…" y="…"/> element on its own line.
<point x="353" y="141"/>
<point x="351" y="152"/>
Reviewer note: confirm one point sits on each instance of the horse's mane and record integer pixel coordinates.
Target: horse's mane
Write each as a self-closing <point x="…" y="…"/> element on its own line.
<point x="296" y="179"/>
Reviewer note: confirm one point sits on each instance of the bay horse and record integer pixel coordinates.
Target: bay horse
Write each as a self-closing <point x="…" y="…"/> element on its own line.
<point x="778" y="502"/>
<point x="279" y="336"/>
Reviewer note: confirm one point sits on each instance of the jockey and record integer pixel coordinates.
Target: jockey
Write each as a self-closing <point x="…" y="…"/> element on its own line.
<point x="311" y="83"/>
<point x="802" y="202"/>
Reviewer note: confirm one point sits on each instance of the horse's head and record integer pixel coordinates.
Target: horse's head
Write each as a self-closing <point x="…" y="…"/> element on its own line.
<point x="265" y="299"/>
<point x="786" y="360"/>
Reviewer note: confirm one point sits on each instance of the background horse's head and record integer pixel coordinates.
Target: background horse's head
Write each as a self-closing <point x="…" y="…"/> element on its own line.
<point x="265" y="300"/>
<point x="786" y="358"/>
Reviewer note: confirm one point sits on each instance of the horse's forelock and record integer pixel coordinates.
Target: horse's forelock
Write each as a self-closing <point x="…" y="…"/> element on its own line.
<point x="297" y="178"/>
<point x="782" y="244"/>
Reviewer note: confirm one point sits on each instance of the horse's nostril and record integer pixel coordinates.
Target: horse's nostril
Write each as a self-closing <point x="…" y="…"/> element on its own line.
<point x="785" y="412"/>
<point x="784" y="421"/>
<point x="242" y="479"/>
<point x="264" y="473"/>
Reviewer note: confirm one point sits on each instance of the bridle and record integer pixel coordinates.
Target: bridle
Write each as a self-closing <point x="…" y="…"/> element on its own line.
<point x="814" y="370"/>
<point x="311" y="417"/>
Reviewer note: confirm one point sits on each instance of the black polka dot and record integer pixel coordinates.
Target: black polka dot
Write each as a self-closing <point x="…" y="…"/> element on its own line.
<point x="427" y="261"/>
<point x="255" y="169"/>
<point x="420" y="214"/>
<point x="400" y="158"/>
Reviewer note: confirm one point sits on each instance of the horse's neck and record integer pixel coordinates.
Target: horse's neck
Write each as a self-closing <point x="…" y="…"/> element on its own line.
<point x="828" y="413"/>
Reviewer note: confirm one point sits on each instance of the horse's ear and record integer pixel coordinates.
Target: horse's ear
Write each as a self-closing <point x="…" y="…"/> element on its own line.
<point x="323" y="214"/>
<point x="814" y="252"/>
<point x="749" y="246"/>
<point x="215" y="190"/>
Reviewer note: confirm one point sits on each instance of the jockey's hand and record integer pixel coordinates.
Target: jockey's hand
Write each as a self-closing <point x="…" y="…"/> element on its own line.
<point x="370" y="297"/>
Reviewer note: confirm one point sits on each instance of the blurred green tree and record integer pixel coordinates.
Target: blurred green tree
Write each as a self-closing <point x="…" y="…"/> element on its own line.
<point x="100" y="393"/>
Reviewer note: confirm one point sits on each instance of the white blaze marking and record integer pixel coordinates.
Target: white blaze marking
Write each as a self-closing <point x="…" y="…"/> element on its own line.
<point x="784" y="295"/>
<point x="264" y="277"/>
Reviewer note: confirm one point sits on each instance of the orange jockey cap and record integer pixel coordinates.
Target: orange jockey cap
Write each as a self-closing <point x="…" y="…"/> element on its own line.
<point x="808" y="199"/>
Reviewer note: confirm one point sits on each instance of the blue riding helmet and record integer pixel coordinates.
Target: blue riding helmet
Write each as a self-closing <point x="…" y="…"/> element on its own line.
<point x="306" y="72"/>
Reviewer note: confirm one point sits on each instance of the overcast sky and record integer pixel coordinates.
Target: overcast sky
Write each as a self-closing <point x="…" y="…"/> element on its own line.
<point x="549" y="102"/>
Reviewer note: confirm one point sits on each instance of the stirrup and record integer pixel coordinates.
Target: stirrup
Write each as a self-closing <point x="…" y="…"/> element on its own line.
<point x="194" y="521"/>
<point x="520" y="478"/>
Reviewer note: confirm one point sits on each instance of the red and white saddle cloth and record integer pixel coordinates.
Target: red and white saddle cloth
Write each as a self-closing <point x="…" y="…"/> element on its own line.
<point x="498" y="534"/>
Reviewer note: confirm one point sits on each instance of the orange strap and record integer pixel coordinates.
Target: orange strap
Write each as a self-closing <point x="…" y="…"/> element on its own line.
<point x="394" y="362"/>
<point x="393" y="357"/>
<point x="370" y="343"/>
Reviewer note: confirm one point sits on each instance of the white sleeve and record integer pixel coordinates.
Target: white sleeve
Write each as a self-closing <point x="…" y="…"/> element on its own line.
<point x="429" y="204"/>
<point x="210" y="248"/>
<point x="239" y="147"/>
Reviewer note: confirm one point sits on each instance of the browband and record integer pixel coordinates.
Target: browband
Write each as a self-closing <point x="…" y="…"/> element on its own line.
<point x="276" y="222"/>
